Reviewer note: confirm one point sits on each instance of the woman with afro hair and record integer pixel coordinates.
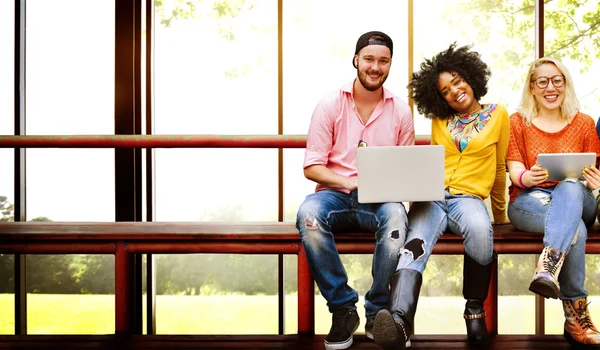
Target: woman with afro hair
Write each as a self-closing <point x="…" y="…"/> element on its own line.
<point x="448" y="89"/>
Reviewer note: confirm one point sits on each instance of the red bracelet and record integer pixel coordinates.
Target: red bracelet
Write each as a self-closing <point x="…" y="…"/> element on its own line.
<point x="521" y="184"/>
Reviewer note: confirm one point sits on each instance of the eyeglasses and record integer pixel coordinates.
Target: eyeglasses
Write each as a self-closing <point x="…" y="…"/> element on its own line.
<point x="557" y="81"/>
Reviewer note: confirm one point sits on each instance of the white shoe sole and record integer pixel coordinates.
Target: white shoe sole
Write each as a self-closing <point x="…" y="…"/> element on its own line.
<point x="341" y="345"/>
<point x="369" y="335"/>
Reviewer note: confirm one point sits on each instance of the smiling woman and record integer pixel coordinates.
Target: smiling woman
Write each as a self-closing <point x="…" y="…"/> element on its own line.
<point x="549" y="121"/>
<point x="447" y="88"/>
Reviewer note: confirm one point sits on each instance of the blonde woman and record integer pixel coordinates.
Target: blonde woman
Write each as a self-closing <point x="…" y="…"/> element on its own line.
<point x="549" y="121"/>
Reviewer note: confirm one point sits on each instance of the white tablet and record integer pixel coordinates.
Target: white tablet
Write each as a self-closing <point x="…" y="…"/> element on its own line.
<point x="566" y="165"/>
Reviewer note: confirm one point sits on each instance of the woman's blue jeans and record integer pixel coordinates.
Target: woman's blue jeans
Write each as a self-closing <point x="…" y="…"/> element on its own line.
<point x="463" y="215"/>
<point x="324" y="213"/>
<point x="562" y="213"/>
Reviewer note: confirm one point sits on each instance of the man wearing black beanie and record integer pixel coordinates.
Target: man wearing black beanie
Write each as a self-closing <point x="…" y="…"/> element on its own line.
<point x="360" y="113"/>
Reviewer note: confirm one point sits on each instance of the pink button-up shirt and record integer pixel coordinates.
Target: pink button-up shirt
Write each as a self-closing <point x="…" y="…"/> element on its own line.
<point x="336" y="130"/>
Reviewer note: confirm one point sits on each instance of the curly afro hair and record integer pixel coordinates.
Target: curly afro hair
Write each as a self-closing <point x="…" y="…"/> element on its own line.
<point x="462" y="61"/>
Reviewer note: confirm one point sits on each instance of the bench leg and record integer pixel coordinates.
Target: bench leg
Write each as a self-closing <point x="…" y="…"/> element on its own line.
<point x="123" y="290"/>
<point x="306" y="296"/>
<point x="491" y="303"/>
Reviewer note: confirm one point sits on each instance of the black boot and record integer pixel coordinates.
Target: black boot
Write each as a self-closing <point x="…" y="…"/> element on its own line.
<point x="393" y="327"/>
<point x="476" y="282"/>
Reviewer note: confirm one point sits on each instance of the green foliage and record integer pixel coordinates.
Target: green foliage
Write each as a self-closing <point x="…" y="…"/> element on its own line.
<point x="7" y="280"/>
<point x="172" y="10"/>
<point x="571" y="28"/>
<point x="7" y="209"/>
<point x="515" y="273"/>
<point x="220" y="20"/>
<point x="209" y="274"/>
<point x="222" y="12"/>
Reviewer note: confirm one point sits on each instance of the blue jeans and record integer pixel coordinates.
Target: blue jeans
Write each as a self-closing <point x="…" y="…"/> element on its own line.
<point x="562" y="213"/>
<point x="463" y="215"/>
<point x="327" y="212"/>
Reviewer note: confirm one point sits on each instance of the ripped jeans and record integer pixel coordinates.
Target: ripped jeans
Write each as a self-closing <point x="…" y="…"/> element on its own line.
<point x="562" y="213"/>
<point x="463" y="215"/>
<point x="327" y="212"/>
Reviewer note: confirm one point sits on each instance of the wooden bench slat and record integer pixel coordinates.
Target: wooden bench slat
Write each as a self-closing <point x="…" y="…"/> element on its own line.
<point x="280" y="231"/>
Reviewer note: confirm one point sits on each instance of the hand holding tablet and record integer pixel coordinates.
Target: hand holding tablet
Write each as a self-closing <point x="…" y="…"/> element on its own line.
<point x="561" y="166"/>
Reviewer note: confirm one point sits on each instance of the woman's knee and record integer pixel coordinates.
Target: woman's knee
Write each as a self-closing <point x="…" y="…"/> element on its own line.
<point x="478" y="228"/>
<point x="572" y="189"/>
<point x="479" y="243"/>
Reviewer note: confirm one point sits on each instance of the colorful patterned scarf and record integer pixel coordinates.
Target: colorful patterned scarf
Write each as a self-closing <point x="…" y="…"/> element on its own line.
<point x="464" y="127"/>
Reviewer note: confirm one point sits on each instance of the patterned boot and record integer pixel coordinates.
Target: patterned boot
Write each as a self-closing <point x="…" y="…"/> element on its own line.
<point x="580" y="331"/>
<point x="545" y="279"/>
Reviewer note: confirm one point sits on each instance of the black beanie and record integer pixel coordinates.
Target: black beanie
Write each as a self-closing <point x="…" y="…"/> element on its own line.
<point x="364" y="41"/>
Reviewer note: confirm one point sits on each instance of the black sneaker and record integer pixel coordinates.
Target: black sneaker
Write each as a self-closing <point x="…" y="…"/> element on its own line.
<point x="369" y="327"/>
<point x="343" y="324"/>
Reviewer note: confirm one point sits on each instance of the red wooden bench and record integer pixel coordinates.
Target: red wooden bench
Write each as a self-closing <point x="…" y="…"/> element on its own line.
<point x="124" y="239"/>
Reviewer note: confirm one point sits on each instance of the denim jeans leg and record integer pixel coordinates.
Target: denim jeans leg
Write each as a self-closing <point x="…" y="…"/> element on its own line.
<point x="564" y="214"/>
<point x="389" y="222"/>
<point x="468" y="217"/>
<point x="528" y="211"/>
<point x="320" y="214"/>
<point x="427" y="221"/>
<point x="572" y="275"/>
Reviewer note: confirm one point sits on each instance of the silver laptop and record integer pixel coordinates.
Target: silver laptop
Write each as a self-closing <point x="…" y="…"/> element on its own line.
<point x="400" y="173"/>
<point x="566" y="165"/>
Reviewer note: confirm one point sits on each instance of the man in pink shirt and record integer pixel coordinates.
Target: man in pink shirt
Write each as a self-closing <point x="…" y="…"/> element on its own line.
<point x="361" y="113"/>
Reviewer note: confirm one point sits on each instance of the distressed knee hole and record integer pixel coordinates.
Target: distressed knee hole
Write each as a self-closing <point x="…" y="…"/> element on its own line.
<point x="395" y="234"/>
<point x="414" y="247"/>
<point x="542" y="197"/>
<point x="311" y="224"/>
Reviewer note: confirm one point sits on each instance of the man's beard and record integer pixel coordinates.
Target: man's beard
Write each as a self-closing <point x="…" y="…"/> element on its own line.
<point x="362" y="77"/>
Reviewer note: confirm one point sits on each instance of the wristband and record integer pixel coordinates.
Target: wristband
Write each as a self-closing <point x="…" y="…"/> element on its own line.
<point x="521" y="184"/>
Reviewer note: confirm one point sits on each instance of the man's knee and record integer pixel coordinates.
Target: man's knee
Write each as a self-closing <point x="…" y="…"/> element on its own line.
<point x="393" y="215"/>
<point x="308" y="216"/>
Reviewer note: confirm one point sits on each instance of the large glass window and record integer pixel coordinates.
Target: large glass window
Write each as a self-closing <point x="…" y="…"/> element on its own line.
<point x="216" y="73"/>
<point x="223" y="294"/>
<point x="7" y="319"/>
<point x="7" y="119"/>
<point x="70" y="294"/>
<point x="70" y="91"/>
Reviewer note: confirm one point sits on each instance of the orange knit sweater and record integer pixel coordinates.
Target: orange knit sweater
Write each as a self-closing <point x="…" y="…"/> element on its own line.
<point x="526" y="142"/>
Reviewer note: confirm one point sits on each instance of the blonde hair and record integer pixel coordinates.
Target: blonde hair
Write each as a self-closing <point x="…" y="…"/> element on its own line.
<point x="529" y="107"/>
